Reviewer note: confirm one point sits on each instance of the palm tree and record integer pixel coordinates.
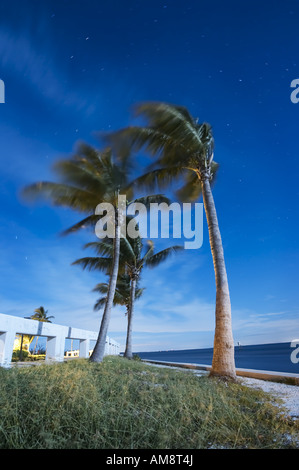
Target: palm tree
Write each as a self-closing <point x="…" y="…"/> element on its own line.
<point x="136" y="257"/>
<point x="40" y="314"/>
<point x="133" y="257"/>
<point x="88" y="178"/>
<point x="122" y="295"/>
<point x="184" y="149"/>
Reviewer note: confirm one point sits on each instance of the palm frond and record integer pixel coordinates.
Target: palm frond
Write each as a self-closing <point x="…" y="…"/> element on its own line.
<point x="191" y="190"/>
<point x="101" y="288"/>
<point x="170" y="120"/>
<point x="119" y="297"/>
<point x="154" y="198"/>
<point x="127" y="253"/>
<point x="103" y="247"/>
<point x="88" y="178"/>
<point x="214" y="171"/>
<point x="99" y="304"/>
<point x="171" y="135"/>
<point x="94" y="263"/>
<point x="150" y="250"/>
<point x="139" y="292"/>
<point x="136" y="138"/>
<point x="61" y="194"/>
<point x="158" y="258"/>
<point x="160" y="178"/>
<point x="91" y="156"/>
<point x="89" y="221"/>
<point x="122" y="292"/>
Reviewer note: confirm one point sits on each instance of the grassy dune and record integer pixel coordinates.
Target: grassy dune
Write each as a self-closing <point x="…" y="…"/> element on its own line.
<point x="121" y="404"/>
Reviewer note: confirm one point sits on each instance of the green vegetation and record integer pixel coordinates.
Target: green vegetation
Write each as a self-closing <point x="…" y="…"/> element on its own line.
<point x="26" y="356"/>
<point x="16" y="355"/>
<point x="121" y="404"/>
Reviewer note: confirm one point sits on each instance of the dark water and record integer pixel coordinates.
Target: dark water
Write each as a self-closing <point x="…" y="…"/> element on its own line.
<point x="275" y="357"/>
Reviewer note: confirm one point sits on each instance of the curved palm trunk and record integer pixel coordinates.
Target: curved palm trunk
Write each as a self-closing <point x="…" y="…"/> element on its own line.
<point x="35" y="346"/>
<point x="99" y="349"/>
<point x="128" y="352"/>
<point x="223" y="363"/>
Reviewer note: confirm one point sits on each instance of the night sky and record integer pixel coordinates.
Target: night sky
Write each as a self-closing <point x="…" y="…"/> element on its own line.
<point x="75" y="68"/>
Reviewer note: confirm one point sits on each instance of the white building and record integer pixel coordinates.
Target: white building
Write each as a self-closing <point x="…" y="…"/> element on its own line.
<point x="56" y="335"/>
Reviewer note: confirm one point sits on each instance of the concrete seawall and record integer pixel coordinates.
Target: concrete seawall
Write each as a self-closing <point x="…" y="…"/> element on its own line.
<point x="292" y="379"/>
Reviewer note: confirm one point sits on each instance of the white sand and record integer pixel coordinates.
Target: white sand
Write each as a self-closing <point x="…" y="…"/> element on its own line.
<point x="288" y="393"/>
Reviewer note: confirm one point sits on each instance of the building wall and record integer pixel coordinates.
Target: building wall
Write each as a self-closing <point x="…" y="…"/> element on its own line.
<point x="10" y="326"/>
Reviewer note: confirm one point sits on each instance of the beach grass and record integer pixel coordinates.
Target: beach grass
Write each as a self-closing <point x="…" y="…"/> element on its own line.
<point x="122" y="404"/>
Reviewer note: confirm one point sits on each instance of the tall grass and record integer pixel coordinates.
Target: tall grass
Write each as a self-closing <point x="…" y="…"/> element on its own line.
<point x="121" y="404"/>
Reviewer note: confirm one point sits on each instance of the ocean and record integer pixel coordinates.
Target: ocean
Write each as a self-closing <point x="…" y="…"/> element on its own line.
<point x="274" y="357"/>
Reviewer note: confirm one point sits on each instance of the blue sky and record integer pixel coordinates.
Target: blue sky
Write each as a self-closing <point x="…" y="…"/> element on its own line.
<point x="72" y="68"/>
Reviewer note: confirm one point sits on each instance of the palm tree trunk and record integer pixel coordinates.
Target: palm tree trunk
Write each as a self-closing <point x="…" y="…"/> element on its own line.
<point x="21" y="349"/>
<point x="128" y="352"/>
<point x="35" y="346"/>
<point x="99" y="349"/>
<point x="223" y="363"/>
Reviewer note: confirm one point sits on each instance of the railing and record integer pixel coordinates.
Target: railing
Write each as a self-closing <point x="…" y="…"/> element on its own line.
<point x="56" y="335"/>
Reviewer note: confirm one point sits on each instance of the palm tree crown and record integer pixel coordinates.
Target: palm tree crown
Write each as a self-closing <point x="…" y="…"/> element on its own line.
<point x="178" y="142"/>
<point x="122" y="292"/>
<point x="40" y="314"/>
<point x="88" y="178"/>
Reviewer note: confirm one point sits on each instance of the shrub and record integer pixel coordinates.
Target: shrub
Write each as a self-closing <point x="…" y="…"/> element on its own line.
<point x="136" y="357"/>
<point x="16" y="355"/>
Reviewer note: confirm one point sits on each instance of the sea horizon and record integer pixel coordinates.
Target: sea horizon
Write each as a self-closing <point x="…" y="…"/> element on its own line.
<point x="212" y="347"/>
<point x="276" y="357"/>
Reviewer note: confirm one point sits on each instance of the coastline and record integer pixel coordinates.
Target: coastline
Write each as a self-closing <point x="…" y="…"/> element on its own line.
<point x="273" y="357"/>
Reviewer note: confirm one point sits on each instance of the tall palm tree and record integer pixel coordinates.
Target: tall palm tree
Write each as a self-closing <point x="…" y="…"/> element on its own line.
<point x="88" y="178"/>
<point x="134" y="255"/>
<point x="184" y="149"/>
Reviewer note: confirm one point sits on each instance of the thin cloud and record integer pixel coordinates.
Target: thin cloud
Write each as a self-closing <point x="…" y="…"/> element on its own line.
<point x="41" y="72"/>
